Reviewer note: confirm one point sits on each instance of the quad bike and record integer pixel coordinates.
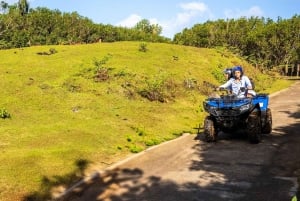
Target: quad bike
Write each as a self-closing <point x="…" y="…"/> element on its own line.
<point x="228" y="113"/>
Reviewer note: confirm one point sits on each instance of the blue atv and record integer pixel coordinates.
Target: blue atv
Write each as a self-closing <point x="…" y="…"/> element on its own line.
<point x="228" y="113"/>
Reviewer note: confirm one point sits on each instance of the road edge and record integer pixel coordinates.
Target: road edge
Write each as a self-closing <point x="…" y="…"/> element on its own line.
<point x="105" y="171"/>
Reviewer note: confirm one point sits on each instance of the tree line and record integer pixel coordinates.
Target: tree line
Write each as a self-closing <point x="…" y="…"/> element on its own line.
<point x="263" y="42"/>
<point x="21" y="26"/>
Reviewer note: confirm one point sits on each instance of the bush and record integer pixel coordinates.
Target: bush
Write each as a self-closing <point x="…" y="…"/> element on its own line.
<point x="190" y="83"/>
<point x="98" y="71"/>
<point x="101" y="72"/>
<point x="143" y="47"/>
<point x="51" y="51"/>
<point x="135" y="148"/>
<point x="159" y="88"/>
<point x="4" y="114"/>
<point x="152" y="142"/>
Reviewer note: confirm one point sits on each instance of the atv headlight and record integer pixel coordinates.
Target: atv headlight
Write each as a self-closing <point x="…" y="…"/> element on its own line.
<point x="210" y="109"/>
<point x="244" y="107"/>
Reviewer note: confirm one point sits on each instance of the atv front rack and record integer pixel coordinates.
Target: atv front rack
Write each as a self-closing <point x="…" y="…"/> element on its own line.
<point x="228" y="101"/>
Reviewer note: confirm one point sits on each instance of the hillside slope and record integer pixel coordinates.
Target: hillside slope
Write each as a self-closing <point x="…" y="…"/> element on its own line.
<point x="91" y="105"/>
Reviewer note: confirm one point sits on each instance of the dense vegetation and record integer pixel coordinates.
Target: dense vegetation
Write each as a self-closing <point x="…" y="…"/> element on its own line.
<point x="21" y="26"/>
<point x="262" y="42"/>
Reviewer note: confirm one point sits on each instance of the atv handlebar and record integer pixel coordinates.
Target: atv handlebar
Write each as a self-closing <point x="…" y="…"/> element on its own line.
<point x="217" y="88"/>
<point x="242" y="89"/>
<point x="221" y="89"/>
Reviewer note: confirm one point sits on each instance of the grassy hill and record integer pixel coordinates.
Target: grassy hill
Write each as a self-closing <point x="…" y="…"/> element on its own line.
<point x="77" y="108"/>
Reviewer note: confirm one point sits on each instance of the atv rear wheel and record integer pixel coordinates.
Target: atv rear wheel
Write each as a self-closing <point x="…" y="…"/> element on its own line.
<point x="210" y="133"/>
<point x="254" y="127"/>
<point x="267" y="129"/>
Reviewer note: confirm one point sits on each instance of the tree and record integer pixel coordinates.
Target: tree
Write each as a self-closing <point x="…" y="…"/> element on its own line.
<point x="156" y="29"/>
<point x="145" y="26"/>
<point x="23" y="7"/>
<point x="3" y="6"/>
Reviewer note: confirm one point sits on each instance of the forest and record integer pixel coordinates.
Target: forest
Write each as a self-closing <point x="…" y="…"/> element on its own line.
<point x="263" y="42"/>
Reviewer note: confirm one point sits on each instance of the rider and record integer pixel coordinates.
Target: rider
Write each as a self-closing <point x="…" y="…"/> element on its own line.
<point x="227" y="73"/>
<point x="239" y="84"/>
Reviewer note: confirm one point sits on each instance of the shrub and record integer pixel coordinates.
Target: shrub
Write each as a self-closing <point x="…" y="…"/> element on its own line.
<point x="98" y="71"/>
<point x="190" y="83"/>
<point x="4" y="114"/>
<point x="143" y="47"/>
<point x="51" y="51"/>
<point x="159" y="88"/>
<point x="101" y="72"/>
<point x="152" y="142"/>
<point x="135" y="148"/>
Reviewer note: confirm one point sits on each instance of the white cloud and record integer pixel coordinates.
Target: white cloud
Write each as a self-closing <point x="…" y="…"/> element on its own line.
<point x="153" y="21"/>
<point x="133" y="19"/>
<point x="191" y="11"/>
<point x="130" y="21"/>
<point x="190" y="14"/>
<point x="183" y="18"/>
<point x="194" y="6"/>
<point x="253" y="11"/>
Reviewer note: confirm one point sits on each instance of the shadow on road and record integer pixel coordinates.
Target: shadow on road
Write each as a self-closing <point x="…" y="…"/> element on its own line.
<point x="151" y="189"/>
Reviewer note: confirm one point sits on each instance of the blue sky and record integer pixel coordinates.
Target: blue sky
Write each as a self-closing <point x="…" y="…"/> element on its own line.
<point x="172" y="15"/>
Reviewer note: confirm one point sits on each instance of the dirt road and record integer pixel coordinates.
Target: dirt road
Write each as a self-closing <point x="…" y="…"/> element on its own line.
<point x="188" y="169"/>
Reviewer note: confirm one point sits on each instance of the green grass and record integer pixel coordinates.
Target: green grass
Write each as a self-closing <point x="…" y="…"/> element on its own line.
<point x="60" y="115"/>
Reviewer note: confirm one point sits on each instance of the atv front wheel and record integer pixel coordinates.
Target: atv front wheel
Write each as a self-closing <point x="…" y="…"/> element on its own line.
<point x="210" y="133"/>
<point x="254" y="127"/>
<point x="267" y="129"/>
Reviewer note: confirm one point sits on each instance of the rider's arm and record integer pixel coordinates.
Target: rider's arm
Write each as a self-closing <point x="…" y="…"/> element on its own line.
<point x="226" y="85"/>
<point x="247" y="82"/>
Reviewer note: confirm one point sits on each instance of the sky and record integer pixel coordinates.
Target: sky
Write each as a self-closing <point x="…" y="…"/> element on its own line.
<point x="172" y="15"/>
